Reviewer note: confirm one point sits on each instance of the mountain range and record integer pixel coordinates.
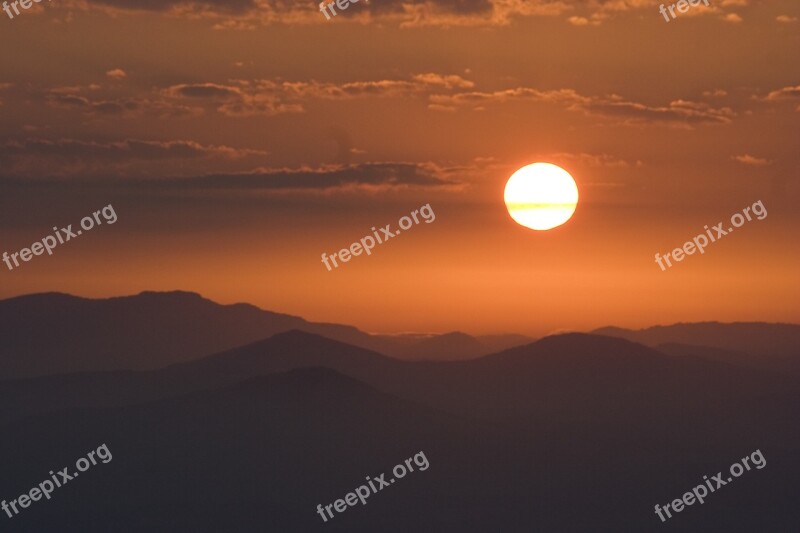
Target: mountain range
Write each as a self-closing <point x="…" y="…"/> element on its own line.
<point x="572" y="433"/>
<point x="155" y="329"/>
<point x="52" y="333"/>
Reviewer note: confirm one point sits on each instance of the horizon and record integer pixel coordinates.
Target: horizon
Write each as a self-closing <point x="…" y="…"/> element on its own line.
<point x="534" y="336"/>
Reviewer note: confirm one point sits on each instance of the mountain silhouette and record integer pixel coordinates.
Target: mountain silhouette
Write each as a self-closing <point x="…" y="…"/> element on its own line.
<point x="756" y="338"/>
<point x="455" y="346"/>
<point x="789" y="364"/>
<point x="261" y="453"/>
<point x="589" y="377"/>
<point x="571" y="433"/>
<point x="264" y="451"/>
<point x="55" y="333"/>
<point x="279" y="353"/>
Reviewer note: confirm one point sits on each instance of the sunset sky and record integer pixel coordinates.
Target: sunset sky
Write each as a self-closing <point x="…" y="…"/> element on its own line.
<point x="238" y="140"/>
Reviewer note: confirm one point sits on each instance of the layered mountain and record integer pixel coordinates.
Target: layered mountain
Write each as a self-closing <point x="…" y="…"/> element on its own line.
<point x="588" y="377"/>
<point x="54" y="333"/>
<point x="593" y="430"/>
<point x="755" y="338"/>
<point x="256" y="455"/>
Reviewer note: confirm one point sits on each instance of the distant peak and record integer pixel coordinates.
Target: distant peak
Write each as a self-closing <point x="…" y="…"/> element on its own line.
<point x="298" y="335"/>
<point x="46" y="296"/>
<point x="579" y="343"/>
<point x="456" y="334"/>
<point x="579" y="338"/>
<point x="166" y="294"/>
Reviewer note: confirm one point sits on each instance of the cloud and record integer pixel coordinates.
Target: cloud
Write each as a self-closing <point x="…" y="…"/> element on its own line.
<point x="786" y="19"/>
<point x="204" y="90"/>
<point x="68" y="100"/>
<point x="506" y="95"/>
<point x="239" y="15"/>
<point x="123" y="107"/>
<point x="448" y="82"/>
<point x="116" y="74"/>
<point x="748" y="159"/>
<point x="785" y="93"/>
<point x="596" y="20"/>
<point x="270" y="97"/>
<point x="234" y="98"/>
<point x="218" y="6"/>
<point x="349" y="90"/>
<point x="66" y="157"/>
<point x="368" y="177"/>
<point x="177" y="101"/>
<point x="249" y="14"/>
<point x="590" y="160"/>
<point x="443" y="108"/>
<point x="129" y="148"/>
<point x="443" y="93"/>
<point x="678" y="112"/>
<point x="732" y="17"/>
<point x="240" y="99"/>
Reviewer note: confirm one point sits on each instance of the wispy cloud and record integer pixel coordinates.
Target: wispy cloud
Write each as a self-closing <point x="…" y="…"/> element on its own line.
<point x="65" y="157"/>
<point x="678" y="112"/>
<point x="116" y="74"/>
<point x="747" y="159"/>
<point x="249" y="14"/>
<point x="785" y="93"/>
<point x="370" y="177"/>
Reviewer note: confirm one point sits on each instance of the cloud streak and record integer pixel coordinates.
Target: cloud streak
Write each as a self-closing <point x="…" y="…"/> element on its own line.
<point x="678" y="112"/>
<point x="374" y="177"/>
<point x="248" y="14"/>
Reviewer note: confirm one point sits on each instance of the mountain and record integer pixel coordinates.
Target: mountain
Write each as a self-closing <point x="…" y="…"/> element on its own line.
<point x="755" y="338"/>
<point x="779" y="364"/>
<point x="446" y="347"/>
<point x="589" y="377"/>
<point x="498" y="343"/>
<point x="571" y="433"/>
<point x="262" y="453"/>
<point x="279" y="353"/>
<point x="55" y="333"/>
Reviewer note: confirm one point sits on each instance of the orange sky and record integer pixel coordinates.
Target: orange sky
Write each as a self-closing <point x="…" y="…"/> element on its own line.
<point x="240" y="139"/>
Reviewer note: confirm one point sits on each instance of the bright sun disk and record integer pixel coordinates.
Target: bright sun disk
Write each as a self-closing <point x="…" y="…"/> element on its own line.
<point x="541" y="196"/>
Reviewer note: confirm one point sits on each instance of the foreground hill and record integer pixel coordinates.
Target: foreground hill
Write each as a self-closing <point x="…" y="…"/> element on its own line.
<point x="262" y="453"/>
<point x="255" y="456"/>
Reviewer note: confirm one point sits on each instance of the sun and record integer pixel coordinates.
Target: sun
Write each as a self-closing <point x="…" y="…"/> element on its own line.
<point x="541" y="196"/>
